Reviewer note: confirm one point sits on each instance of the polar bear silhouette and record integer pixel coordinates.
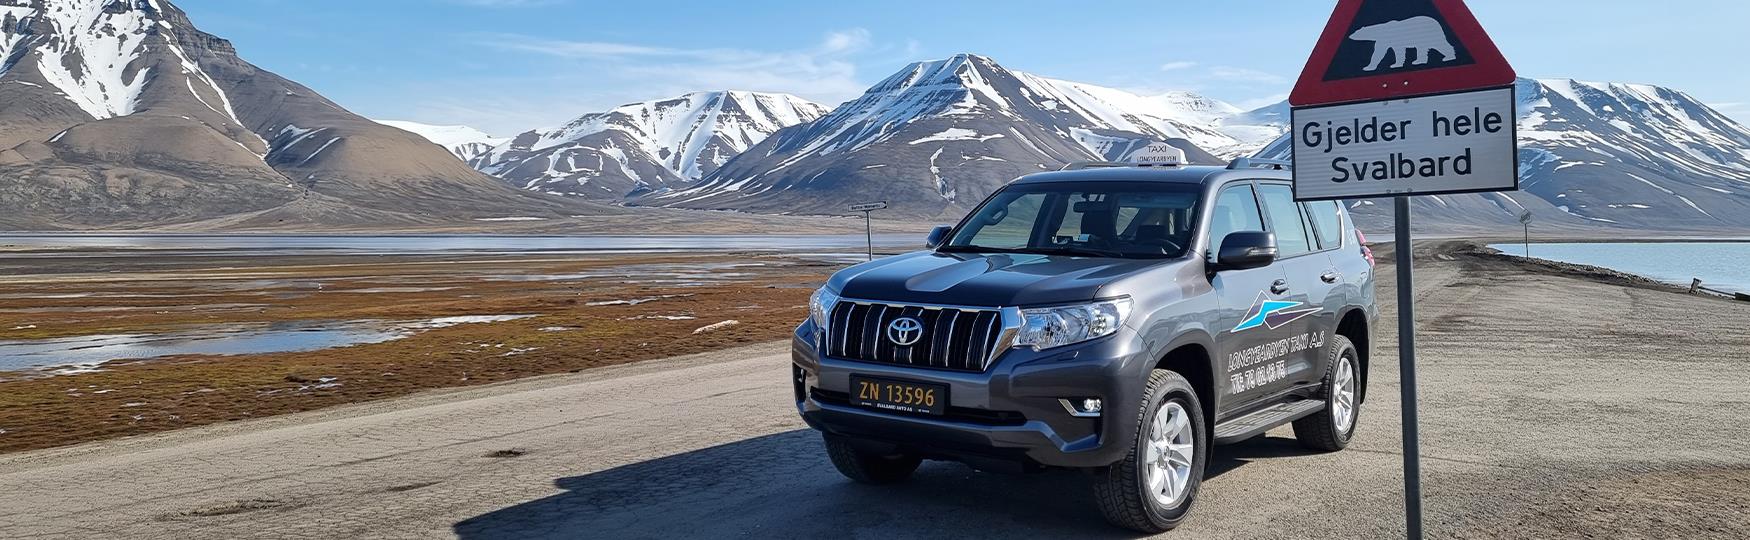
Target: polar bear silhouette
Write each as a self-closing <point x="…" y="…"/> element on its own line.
<point x="1421" y="33"/>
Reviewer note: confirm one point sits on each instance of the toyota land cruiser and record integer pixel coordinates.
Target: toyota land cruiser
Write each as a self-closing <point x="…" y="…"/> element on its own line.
<point x="1118" y="318"/>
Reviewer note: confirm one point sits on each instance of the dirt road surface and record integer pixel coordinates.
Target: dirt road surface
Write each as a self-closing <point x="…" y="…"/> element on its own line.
<point x="1553" y="407"/>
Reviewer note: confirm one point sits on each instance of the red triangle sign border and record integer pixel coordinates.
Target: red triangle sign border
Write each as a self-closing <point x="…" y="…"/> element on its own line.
<point x="1488" y="70"/>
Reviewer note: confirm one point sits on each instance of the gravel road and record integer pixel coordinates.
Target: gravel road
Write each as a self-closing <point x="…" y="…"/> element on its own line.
<point x="1552" y="407"/>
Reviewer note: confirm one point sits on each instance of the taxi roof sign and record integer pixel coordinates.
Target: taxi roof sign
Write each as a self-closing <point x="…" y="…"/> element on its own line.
<point x="1158" y="155"/>
<point x="1383" y="49"/>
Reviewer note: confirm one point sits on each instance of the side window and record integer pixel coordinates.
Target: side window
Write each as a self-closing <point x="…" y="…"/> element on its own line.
<point x="1327" y="223"/>
<point x="1235" y="210"/>
<point x="1285" y="219"/>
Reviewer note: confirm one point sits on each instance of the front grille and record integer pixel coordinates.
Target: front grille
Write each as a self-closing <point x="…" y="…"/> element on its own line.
<point x="952" y="338"/>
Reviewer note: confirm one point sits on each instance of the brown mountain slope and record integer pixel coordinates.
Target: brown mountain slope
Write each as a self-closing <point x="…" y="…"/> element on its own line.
<point x="120" y="113"/>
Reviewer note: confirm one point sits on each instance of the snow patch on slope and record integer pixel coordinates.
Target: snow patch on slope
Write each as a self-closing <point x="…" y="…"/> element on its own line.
<point x="462" y="141"/>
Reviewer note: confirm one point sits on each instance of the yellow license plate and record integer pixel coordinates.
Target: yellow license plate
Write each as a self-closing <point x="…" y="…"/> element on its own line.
<point x="899" y="396"/>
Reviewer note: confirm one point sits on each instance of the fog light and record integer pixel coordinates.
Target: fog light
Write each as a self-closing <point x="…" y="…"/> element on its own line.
<point x="1082" y="407"/>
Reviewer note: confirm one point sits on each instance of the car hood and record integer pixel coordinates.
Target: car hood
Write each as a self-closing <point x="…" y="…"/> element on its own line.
<point x="985" y="279"/>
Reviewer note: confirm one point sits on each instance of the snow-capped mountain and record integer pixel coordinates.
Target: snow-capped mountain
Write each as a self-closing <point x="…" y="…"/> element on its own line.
<point x="1609" y="154"/>
<point x="651" y="146"/>
<point x="121" y="112"/>
<point x="464" y="142"/>
<point x="936" y="137"/>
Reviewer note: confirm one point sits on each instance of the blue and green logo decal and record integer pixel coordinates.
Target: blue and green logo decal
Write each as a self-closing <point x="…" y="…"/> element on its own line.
<point x="1273" y="314"/>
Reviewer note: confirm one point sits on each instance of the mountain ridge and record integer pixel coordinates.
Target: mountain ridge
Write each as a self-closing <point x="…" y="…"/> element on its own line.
<point x="936" y="137"/>
<point x="641" y="147"/>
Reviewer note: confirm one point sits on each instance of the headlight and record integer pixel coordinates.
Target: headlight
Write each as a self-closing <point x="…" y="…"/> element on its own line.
<point x="820" y="306"/>
<point x="1047" y="328"/>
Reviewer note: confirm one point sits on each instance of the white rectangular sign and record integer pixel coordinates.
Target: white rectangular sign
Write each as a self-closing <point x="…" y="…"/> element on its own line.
<point x="1448" y="143"/>
<point x="867" y="207"/>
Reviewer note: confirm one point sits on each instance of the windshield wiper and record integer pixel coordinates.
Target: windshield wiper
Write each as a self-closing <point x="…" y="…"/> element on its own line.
<point x="1078" y="252"/>
<point x="972" y="249"/>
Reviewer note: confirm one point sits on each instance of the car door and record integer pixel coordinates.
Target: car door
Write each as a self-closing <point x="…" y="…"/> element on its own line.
<point x="1245" y="343"/>
<point x="1308" y="317"/>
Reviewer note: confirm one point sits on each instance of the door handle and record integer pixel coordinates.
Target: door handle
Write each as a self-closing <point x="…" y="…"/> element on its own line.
<point x="1281" y="286"/>
<point x="1331" y="277"/>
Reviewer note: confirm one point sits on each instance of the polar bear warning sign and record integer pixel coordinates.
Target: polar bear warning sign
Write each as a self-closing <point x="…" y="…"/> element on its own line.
<point x="1378" y="49"/>
<point x="1404" y="97"/>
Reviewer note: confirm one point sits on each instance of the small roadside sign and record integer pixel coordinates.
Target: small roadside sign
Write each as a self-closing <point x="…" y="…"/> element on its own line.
<point x="1525" y="218"/>
<point x="1404" y="97"/>
<point x="868" y="224"/>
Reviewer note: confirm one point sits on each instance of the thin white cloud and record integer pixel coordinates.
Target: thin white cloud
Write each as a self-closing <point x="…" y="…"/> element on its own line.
<point x="1736" y="110"/>
<point x="581" y="77"/>
<point x="1260" y="102"/>
<point x="1176" y="66"/>
<point x="1245" y="75"/>
<point x="506" y="3"/>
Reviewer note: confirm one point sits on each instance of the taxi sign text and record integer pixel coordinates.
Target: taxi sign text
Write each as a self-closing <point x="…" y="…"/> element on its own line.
<point x="1161" y="154"/>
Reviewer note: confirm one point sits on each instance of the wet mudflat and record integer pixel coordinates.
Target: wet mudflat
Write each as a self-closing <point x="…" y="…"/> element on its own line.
<point x="132" y="342"/>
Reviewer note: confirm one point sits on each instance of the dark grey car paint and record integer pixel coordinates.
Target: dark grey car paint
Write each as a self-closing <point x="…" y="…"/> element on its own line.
<point x="1176" y="303"/>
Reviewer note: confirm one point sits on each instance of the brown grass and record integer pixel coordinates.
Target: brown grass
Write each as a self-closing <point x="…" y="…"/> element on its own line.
<point x="138" y="397"/>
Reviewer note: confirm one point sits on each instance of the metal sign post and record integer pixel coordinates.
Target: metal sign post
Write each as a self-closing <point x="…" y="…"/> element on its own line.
<point x="868" y="224"/>
<point x="1439" y="117"/>
<point x="1525" y="219"/>
<point x="1407" y="368"/>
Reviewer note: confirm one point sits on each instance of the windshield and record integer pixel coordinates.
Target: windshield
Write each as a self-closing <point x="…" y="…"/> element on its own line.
<point x="1094" y="219"/>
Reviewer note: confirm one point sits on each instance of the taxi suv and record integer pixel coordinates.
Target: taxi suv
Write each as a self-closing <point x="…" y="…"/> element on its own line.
<point x="1123" y="319"/>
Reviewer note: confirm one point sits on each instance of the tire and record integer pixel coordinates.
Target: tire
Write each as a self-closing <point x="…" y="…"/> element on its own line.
<point x="1122" y="490"/>
<point x="1326" y="429"/>
<point x="869" y="467"/>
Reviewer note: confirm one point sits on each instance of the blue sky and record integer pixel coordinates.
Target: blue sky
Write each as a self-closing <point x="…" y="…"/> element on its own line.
<point x="510" y="65"/>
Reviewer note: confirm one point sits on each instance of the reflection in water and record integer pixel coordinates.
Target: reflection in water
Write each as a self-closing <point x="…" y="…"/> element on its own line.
<point x="83" y="353"/>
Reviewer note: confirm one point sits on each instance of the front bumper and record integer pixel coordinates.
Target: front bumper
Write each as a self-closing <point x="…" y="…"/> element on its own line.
<point x="1010" y="413"/>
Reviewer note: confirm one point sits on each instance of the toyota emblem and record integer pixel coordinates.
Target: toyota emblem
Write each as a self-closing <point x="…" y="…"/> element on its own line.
<point x="905" y="331"/>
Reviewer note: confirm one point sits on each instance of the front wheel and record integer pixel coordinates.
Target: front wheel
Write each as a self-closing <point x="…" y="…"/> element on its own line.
<point x="1152" y="489"/>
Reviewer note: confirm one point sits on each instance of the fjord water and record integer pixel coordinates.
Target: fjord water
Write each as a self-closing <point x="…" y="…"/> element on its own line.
<point x="1721" y="266"/>
<point x="276" y="244"/>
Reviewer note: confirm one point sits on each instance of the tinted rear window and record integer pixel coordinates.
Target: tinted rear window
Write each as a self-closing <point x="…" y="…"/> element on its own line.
<point x="1327" y="223"/>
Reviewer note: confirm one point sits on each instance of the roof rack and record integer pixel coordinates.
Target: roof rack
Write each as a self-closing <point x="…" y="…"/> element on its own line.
<point x="1079" y="165"/>
<point x="1251" y="162"/>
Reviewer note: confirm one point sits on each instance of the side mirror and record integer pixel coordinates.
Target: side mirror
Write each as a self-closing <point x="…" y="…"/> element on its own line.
<point x="938" y="236"/>
<point x="1246" y="250"/>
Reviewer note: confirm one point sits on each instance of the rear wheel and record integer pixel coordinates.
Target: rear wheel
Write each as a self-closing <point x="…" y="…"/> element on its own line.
<point x="1331" y="428"/>
<point x="1153" y="488"/>
<point x="867" y="466"/>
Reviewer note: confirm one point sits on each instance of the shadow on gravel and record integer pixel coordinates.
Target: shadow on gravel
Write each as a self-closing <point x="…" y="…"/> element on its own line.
<point x="782" y="486"/>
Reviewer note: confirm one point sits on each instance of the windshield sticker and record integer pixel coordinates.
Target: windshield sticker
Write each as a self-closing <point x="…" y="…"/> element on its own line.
<point x="1272" y="314"/>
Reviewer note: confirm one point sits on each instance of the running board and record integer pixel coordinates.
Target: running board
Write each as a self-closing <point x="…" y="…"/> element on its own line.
<point x="1255" y="424"/>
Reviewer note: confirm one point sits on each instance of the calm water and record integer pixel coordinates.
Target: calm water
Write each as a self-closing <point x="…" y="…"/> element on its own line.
<point x="1720" y="265"/>
<point x="176" y="244"/>
<point x="83" y="353"/>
